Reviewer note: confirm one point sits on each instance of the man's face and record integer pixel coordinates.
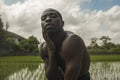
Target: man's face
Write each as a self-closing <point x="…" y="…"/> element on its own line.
<point x="51" y="22"/>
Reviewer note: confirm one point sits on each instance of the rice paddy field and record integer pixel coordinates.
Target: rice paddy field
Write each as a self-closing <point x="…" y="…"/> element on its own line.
<point x="105" y="58"/>
<point x="103" y="67"/>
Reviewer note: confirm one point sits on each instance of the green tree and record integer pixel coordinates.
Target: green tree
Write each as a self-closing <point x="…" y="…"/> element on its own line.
<point x="3" y="33"/>
<point x="1" y="24"/>
<point x="29" y="46"/>
<point x="107" y="47"/>
<point x="105" y="39"/>
<point x="7" y="26"/>
<point x="94" y="42"/>
<point x="105" y="42"/>
<point x="11" y="43"/>
<point x="23" y="46"/>
<point x="6" y="43"/>
<point x="33" y="42"/>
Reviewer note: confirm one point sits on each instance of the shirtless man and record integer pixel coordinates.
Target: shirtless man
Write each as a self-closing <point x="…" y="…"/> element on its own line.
<point x="64" y="53"/>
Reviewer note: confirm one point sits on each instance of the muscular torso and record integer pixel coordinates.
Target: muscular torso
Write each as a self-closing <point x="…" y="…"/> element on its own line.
<point x="61" y="58"/>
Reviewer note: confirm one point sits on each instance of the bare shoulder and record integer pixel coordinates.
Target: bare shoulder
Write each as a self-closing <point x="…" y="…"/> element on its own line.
<point x="73" y="44"/>
<point x="73" y="39"/>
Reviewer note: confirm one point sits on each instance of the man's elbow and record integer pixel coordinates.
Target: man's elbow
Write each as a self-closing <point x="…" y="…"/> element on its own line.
<point x="49" y="76"/>
<point x="70" y="78"/>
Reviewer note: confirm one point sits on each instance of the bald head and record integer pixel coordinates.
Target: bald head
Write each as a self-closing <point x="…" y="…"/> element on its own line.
<point x="52" y="10"/>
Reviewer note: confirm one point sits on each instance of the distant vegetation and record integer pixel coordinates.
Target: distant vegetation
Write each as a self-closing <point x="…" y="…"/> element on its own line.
<point x="9" y="47"/>
<point x="105" y="48"/>
<point x="27" y="47"/>
<point x="107" y="58"/>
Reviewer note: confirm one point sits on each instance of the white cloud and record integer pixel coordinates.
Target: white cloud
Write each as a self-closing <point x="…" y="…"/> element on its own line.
<point x="24" y="18"/>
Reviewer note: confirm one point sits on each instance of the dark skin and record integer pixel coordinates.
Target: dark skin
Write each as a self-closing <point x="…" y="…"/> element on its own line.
<point x="62" y="49"/>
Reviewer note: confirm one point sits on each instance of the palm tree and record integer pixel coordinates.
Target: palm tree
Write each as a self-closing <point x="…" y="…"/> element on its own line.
<point x="94" y="42"/>
<point x="1" y="24"/>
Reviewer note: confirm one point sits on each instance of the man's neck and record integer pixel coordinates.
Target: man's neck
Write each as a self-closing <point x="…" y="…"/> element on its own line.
<point x="58" y="38"/>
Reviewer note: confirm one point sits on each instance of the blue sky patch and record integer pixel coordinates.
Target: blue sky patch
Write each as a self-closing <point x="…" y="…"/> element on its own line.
<point x="92" y="5"/>
<point x="9" y="2"/>
<point x="100" y="4"/>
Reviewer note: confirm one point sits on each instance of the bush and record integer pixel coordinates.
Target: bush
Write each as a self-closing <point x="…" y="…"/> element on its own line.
<point x="114" y="50"/>
<point x="98" y="51"/>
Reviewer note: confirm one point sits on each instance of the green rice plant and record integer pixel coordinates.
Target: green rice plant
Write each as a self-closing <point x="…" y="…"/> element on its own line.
<point x="9" y="65"/>
<point x="32" y="67"/>
<point x="105" y="57"/>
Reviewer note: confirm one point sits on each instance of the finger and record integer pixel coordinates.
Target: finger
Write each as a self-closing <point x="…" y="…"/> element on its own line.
<point x="45" y="37"/>
<point x="48" y="38"/>
<point x="49" y="41"/>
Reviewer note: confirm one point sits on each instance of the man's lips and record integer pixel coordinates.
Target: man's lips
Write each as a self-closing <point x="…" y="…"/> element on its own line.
<point x="49" y="26"/>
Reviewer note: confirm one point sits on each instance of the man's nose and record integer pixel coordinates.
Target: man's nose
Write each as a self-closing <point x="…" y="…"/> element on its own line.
<point x="48" y="19"/>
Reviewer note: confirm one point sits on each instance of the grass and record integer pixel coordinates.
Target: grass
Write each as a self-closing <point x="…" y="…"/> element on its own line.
<point x="37" y="59"/>
<point x="11" y="64"/>
<point x="21" y="59"/>
<point x="105" y="57"/>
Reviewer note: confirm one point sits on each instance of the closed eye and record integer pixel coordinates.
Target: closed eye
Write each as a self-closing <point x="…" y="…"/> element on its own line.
<point x="53" y="15"/>
<point x="43" y="17"/>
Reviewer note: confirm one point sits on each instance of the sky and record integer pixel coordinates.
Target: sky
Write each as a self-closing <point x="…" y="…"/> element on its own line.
<point x="86" y="18"/>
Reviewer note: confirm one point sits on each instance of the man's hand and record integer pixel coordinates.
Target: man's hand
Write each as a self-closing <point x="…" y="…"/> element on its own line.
<point x="50" y="44"/>
<point x="52" y="71"/>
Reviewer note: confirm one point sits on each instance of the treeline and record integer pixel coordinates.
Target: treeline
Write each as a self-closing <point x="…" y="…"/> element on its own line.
<point x="25" y="47"/>
<point x="10" y="47"/>
<point x="106" y="46"/>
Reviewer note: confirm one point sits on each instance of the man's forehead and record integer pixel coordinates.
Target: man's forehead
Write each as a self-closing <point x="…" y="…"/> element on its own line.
<point x="49" y="11"/>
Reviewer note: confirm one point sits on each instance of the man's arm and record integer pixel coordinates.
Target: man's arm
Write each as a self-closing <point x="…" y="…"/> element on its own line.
<point x="44" y="55"/>
<point x="51" y="68"/>
<point x="73" y="55"/>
